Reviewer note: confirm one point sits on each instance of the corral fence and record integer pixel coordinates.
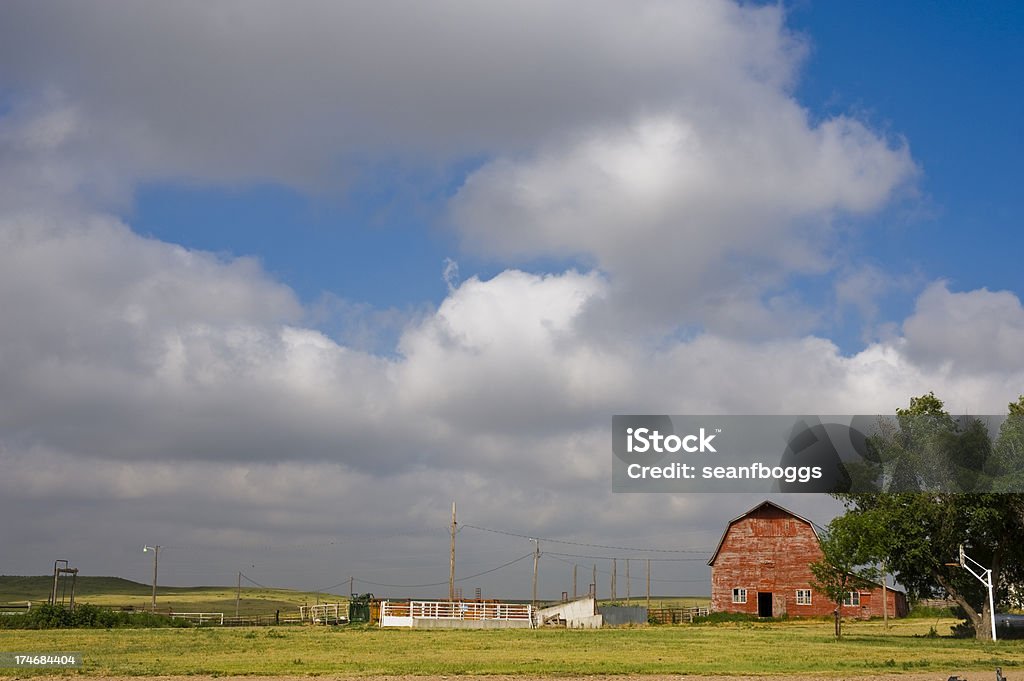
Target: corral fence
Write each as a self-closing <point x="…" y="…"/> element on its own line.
<point x="403" y="613"/>
<point x="676" y="615"/>
<point x="15" y="608"/>
<point x="260" y="620"/>
<point x="324" y="613"/>
<point x="200" y="617"/>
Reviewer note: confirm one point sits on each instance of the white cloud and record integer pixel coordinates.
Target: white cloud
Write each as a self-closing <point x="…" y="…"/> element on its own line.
<point x="967" y="333"/>
<point x="687" y="209"/>
<point x="217" y="423"/>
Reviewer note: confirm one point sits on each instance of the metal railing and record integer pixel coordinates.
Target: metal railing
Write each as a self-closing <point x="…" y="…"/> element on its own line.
<point x="457" y="610"/>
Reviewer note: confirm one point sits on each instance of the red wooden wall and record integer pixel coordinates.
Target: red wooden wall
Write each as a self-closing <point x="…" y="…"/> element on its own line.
<point x="769" y="550"/>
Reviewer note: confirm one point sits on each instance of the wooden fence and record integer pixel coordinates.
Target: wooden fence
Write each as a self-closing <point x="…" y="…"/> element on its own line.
<point x="675" y="615"/>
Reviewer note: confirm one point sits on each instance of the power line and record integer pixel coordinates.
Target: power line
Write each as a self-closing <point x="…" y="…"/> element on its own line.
<point x="608" y="572"/>
<point x="460" y="579"/>
<point x="262" y="586"/>
<point x="577" y="543"/>
<point x="653" y="560"/>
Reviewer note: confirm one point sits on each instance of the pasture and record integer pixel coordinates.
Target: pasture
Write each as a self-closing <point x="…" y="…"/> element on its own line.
<point x="117" y="592"/>
<point x="729" y="649"/>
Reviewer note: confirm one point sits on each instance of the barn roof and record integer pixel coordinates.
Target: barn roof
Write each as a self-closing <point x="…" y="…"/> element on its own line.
<point x="766" y="502"/>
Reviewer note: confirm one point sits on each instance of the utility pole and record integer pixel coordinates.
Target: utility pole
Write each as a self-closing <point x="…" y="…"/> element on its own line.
<point x="451" y="569"/>
<point x="351" y="587"/>
<point x="885" y="598"/>
<point x="648" y="585"/>
<point x="536" y="558"/>
<point x="574" y="581"/>
<point x="156" y="559"/>
<point x="627" y="581"/>
<point x="593" y="581"/>
<point x="238" y="593"/>
<point x="615" y="567"/>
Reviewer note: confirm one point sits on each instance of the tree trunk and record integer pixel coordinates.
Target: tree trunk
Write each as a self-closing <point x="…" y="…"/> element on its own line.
<point x="981" y="631"/>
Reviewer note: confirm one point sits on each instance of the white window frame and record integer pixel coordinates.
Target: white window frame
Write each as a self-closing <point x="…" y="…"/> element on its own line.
<point x="851" y="598"/>
<point x="803" y="596"/>
<point x="739" y="595"/>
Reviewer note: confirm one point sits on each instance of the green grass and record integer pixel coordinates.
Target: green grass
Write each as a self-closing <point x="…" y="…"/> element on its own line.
<point x="117" y="592"/>
<point x="780" y="648"/>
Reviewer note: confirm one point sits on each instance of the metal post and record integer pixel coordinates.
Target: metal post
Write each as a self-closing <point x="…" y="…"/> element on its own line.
<point x="156" y="559"/>
<point x="991" y="603"/>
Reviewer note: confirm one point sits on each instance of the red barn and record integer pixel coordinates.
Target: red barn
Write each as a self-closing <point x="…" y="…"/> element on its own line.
<point x="762" y="567"/>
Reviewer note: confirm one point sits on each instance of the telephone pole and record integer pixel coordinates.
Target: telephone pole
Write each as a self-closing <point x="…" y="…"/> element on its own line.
<point x="451" y="569"/>
<point x="536" y="558"/>
<point x="238" y="593"/>
<point x="615" y="567"/>
<point x="648" y="585"/>
<point x="574" y="566"/>
<point x="593" y="581"/>
<point x="885" y="598"/>
<point x="627" y="582"/>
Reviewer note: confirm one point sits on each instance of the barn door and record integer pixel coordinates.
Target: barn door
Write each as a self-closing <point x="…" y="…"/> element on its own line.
<point x="764" y="603"/>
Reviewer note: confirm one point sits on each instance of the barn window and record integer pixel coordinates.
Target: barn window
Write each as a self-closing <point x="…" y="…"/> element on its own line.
<point x="852" y="598"/>
<point x="739" y="595"/>
<point x="803" y="596"/>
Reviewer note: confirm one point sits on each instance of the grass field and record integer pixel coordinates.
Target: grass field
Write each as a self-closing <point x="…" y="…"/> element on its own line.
<point x="743" y="648"/>
<point x="114" y="591"/>
<point x="782" y="648"/>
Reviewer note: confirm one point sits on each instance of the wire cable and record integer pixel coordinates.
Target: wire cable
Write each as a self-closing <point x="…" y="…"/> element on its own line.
<point x="577" y="543"/>
<point x="460" y="579"/>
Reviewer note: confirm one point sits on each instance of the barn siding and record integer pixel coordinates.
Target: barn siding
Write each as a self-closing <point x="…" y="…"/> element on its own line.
<point x="769" y="550"/>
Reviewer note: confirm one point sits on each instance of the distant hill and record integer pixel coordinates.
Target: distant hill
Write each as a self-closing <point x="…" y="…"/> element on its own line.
<point x="37" y="588"/>
<point x="119" y="592"/>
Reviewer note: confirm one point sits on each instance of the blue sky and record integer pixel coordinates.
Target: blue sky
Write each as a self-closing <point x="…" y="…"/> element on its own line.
<point x="227" y="324"/>
<point x="945" y="76"/>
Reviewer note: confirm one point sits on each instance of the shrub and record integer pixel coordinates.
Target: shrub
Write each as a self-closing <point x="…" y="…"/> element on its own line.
<point x="86" y="617"/>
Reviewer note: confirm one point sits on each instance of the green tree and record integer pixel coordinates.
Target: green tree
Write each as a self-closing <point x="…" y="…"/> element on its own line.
<point x="918" y="533"/>
<point x="1007" y="462"/>
<point x="846" y="563"/>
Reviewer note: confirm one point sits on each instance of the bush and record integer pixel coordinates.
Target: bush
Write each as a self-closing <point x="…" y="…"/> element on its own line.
<point x="85" y="617"/>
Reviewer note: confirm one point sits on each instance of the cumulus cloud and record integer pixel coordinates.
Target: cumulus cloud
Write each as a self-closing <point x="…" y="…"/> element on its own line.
<point x="661" y="145"/>
<point x="254" y="91"/>
<point x="156" y="392"/>
<point x="688" y="209"/>
<point x="230" y="429"/>
<point x="968" y="332"/>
